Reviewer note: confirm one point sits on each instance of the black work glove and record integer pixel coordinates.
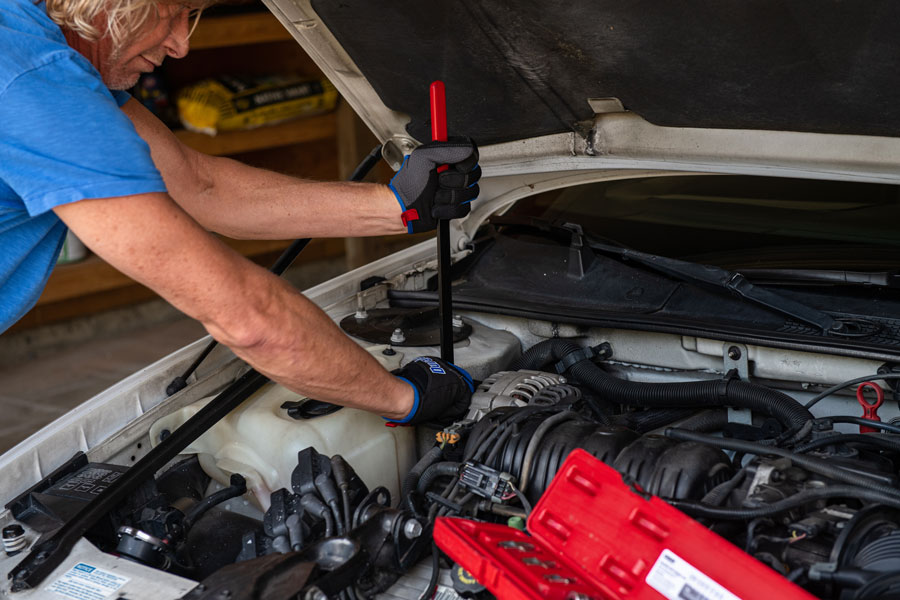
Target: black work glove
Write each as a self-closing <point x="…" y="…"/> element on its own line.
<point x="443" y="390"/>
<point x="426" y="195"/>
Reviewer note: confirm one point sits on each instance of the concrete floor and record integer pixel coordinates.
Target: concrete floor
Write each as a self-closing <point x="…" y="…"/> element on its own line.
<point x="35" y="392"/>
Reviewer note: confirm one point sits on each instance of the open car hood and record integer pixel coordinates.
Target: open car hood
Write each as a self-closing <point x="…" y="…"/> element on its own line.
<point x="806" y="88"/>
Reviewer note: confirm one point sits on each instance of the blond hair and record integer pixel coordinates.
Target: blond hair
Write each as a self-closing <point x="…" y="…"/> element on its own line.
<point x="119" y="19"/>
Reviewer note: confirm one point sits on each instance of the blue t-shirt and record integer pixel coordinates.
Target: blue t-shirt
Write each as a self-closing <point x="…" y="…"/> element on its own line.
<point x="62" y="139"/>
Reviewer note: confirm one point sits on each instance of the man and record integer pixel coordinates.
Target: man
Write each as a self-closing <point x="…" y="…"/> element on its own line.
<point x="75" y="154"/>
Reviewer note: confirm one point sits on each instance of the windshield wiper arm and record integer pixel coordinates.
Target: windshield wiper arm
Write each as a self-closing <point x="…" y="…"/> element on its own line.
<point x="729" y="280"/>
<point x="686" y="271"/>
<point x="887" y="279"/>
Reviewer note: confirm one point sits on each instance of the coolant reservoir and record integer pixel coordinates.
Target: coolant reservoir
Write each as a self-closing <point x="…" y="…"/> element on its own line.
<point x="260" y="441"/>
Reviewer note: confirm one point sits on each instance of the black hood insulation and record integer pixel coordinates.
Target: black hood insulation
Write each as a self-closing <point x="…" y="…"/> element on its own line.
<point x="525" y="68"/>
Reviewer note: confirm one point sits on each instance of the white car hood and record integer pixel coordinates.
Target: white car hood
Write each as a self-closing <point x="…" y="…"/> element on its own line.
<point x="514" y="85"/>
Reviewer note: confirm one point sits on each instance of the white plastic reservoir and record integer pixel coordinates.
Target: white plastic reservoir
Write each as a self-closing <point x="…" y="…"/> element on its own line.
<point x="260" y="441"/>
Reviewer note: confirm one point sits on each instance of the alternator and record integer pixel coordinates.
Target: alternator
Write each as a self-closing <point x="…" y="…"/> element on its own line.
<point x="512" y="388"/>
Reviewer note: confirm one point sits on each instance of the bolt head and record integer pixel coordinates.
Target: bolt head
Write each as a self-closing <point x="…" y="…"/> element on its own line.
<point x="397" y="336"/>
<point x="734" y="353"/>
<point x="412" y="529"/>
<point x="13" y="531"/>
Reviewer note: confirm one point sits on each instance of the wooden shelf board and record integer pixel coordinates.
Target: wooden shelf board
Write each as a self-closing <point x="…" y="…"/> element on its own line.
<point x="297" y="131"/>
<point x="238" y="30"/>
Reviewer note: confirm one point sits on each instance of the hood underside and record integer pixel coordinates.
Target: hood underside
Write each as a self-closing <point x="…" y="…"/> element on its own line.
<point x="517" y="70"/>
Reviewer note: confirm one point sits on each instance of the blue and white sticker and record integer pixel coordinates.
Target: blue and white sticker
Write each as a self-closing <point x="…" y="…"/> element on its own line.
<point x="86" y="582"/>
<point x="677" y="579"/>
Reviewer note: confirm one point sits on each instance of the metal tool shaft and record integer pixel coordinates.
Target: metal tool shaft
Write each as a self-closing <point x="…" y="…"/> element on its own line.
<point x="445" y="301"/>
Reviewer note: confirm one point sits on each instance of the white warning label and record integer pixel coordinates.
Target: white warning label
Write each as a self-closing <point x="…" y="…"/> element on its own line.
<point x="677" y="579"/>
<point x="84" y="582"/>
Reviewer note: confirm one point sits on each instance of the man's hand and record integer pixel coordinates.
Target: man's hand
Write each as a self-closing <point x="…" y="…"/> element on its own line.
<point x="426" y="195"/>
<point x="442" y="390"/>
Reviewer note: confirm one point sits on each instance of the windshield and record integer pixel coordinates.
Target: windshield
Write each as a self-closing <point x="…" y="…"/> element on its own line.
<point x="736" y="221"/>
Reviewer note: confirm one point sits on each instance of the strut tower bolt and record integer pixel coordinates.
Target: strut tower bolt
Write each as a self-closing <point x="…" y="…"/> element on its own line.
<point x="397" y="337"/>
<point x="734" y="353"/>
<point x="14" y="540"/>
<point x="457" y="322"/>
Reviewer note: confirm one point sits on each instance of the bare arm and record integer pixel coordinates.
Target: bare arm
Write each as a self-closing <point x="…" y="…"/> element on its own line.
<point x="244" y="202"/>
<point x="260" y="317"/>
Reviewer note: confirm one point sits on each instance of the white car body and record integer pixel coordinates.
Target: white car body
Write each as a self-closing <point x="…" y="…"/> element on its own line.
<point x="113" y="426"/>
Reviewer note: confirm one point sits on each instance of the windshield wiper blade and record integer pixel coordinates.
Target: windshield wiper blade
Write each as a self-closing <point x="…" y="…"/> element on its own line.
<point x="729" y="280"/>
<point x="887" y="279"/>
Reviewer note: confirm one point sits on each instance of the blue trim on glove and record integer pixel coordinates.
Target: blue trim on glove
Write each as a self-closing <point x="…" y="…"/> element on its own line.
<point x="409" y="228"/>
<point x="415" y="406"/>
<point x="397" y="196"/>
<point x="466" y="376"/>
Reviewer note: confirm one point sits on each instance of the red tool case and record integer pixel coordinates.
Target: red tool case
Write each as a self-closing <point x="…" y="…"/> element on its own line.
<point x="593" y="536"/>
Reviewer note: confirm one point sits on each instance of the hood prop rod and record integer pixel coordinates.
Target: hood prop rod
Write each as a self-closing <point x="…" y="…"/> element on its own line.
<point x="445" y="299"/>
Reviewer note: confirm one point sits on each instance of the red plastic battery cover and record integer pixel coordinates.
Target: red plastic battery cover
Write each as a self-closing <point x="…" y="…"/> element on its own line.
<point x="594" y="537"/>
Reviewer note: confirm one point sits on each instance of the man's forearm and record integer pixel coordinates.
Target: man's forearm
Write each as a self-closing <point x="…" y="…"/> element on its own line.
<point x="299" y="346"/>
<point x="245" y="202"/>
<point x="259" y="316"/>
<point x="240" y="201"/>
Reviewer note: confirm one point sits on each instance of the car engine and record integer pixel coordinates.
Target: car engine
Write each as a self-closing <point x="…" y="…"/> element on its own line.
<point x="288" y="496"/>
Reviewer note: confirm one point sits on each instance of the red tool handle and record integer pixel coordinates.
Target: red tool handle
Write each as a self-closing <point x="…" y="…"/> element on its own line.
<point x="870" y="410"/>
<point x="439" y="115"/>
<point x="438" y="112"/>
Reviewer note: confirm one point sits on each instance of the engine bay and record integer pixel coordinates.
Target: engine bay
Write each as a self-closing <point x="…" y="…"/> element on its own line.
<point x="289" y="496"/>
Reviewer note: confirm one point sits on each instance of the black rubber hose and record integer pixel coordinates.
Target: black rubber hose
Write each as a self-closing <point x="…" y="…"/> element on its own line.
<point x="705" y="421"/>
<point x="237" y="488"/>
<point x="648" y="420"/>
<point x="720" y="392"/>
<point x="341" y="472"/>
<point x="871" y="439"/>
<point x="848" y="383"/>
<point x="332" y="497"/>
<point x="717" y="495"/>
<point x="498" y="445"/>
<point x="475" y="448"/>
<point x="441" y="469"/>
<point x="538" y="356"/>
<point x="314" y="506"/>
<point x="429" y="591"/>
<point x="696" y="509"/>
<point x="412" y="478"/>
<point x="816" y="465"/>
<point x="860" y="421"/>
<point x="535" y="441"/>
